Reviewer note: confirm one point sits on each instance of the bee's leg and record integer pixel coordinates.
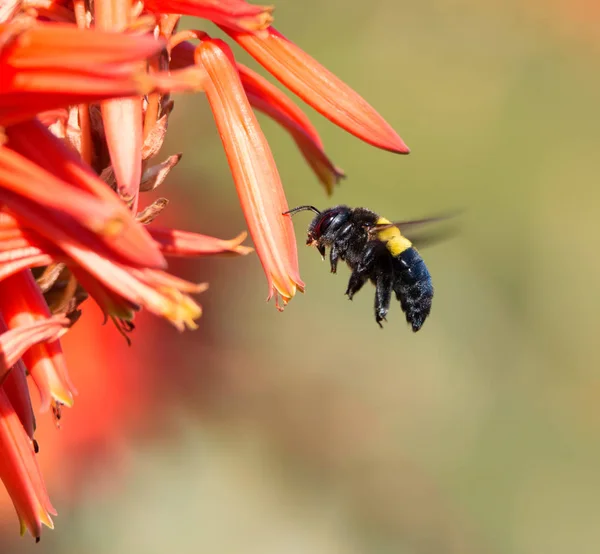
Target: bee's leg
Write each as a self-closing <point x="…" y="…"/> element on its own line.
<point x="383" y="296"/>
<point x="357" y="280"/>
<point x="364" y="269"/>
<point x="334" y="256"/>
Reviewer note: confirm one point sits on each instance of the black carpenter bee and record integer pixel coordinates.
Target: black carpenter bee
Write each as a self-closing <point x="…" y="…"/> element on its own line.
<point x="375" y="249"/>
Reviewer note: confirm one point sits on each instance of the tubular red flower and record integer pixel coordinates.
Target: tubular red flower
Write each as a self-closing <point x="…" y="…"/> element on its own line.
<point x="47" y="66"/>
<point x="55" y="45"/>
<point x="100" y="232"/>
<point x="270" y="100"/>
<point x="236" y="14"/>
<point x="122" y="121"/>
<point x="23" y="306"/>
<point x="319" y="88"/>
<point x="124" y="235"/>
<point x="122" y="118"/>
<point x="16" y="342"/>
<point x="254" y="171"/>
<point x="111" y="303"/>
<point x="183" y="243"/>
<point x="23" y="181"/>
<point x="152" y="289"/>
<point x="16" y="389"/>
<point x="20" y="472"/>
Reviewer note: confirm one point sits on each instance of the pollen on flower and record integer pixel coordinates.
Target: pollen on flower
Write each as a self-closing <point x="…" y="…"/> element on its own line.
<point x="113" y="227"/>
<point x="183" y="311"/>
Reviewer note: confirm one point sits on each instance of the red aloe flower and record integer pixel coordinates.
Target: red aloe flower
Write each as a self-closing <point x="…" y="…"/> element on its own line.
<point x="83" y="111"/>
<point x="16" y="388"/>
<point x="122" y="118"/>
<point x="19" y="470"/>
<point x="236" y="14"/>
<point x="115" y="224"/>
<point x="254" y="170"/>
<point x="46" y="66"/>
<point x="319" y="88"/>
<point x="268" y="99"/>
<point x="20" y="473"/>
<point x="23" y="305"/>
<point x="182" y="243"/>
<point x="147" y="287"/>
<point x="15" y="343"/>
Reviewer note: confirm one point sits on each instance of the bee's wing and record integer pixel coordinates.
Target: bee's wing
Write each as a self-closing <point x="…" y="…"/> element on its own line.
<point x="417" y="232"/>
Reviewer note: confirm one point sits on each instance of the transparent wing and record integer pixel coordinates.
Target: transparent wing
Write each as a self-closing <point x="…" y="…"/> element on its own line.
<point x="426" y="231"/>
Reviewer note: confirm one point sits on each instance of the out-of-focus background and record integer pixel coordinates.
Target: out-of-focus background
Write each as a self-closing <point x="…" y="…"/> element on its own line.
<point x="314" y="431"/>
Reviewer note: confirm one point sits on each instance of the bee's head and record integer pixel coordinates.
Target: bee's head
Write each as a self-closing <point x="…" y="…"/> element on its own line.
<point x="324" y="222"/>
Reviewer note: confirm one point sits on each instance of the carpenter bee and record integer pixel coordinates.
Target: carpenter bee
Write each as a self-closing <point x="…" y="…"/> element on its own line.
<point x="375" y="249"/>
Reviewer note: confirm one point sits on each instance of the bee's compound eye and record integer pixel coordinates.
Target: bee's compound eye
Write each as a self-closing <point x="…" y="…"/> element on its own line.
<point x="326" y="221"/>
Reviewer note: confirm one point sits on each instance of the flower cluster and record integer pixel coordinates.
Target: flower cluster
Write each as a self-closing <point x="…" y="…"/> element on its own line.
<point x="84" y="107"/>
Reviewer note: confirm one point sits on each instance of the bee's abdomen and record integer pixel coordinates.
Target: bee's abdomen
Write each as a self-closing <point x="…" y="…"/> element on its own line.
<point x="413" y="287"/>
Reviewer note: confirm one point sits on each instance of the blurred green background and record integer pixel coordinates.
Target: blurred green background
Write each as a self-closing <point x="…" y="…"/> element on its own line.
<point x="314" y="431"/>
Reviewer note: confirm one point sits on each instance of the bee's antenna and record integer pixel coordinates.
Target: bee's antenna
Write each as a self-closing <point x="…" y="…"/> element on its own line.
<point x="301" y="209"/>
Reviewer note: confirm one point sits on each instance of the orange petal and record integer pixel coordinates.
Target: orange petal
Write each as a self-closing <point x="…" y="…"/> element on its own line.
<point x="23" y="305"/>
<point x="55" y="45"/>
<point x="112" y="15"/>
<point x="151" y="289"/>
<point x="20" y="472"/>
<point x="122" y="118"/>
<point x="21" y="180"/>
<point x="236" y="14"/>
<point x="35" y="142"/>
<point x="123" y="129"/>
<point x="183" y="243"/>
<point x="319" y="88"/>
<point x="8" y="8"/>
<point x="16" y="342"/>
<point x="270" y="100"/>
<point x="254" y="171"/>
<point x="34" y="259"/>
<point x="16" y="388"/>
<point x="47" y="66"/>
<point x="111" y="303"/>
<point x="327" y="173"/>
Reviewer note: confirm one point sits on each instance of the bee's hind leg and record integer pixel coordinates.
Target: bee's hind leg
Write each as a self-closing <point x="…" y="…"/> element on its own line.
<point x="383" y="296"/>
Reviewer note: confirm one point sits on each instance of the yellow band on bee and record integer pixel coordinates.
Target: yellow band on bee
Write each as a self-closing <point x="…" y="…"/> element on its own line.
<point x="394" y="241"/>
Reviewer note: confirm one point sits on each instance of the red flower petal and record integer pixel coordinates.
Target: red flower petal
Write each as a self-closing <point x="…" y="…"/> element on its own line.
<point x="122" y="118"/>
<point x="270" y="100"/>
<point x="16" y="388"/>
<point x="16" y="342"/>
<point x="254" y="171"/>
<point x="236" y="14"/>
<point x="39" y="145"/>
<point x="55" y="45"/>
<point x="20" y="472"/>
<point x="124" y="136"/>
<point x="48" y="66"/>
<point x="183" y="243"/>
<point x="319" y="88"/>
<point x="23" y="305"/>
